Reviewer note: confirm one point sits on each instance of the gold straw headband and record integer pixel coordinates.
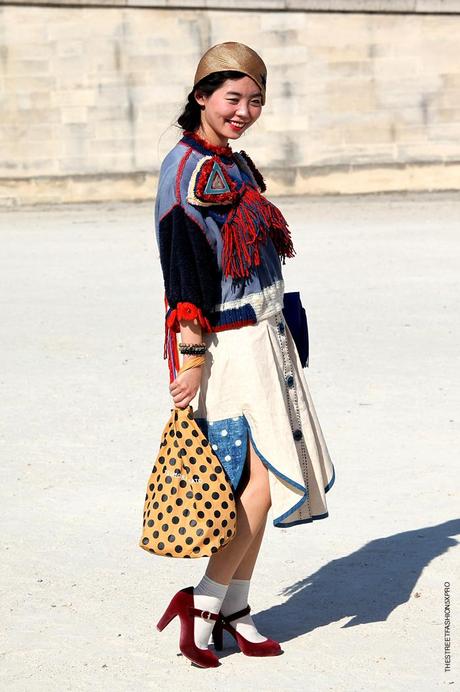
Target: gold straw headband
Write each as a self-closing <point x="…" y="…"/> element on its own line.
<point x="233" y="56"/>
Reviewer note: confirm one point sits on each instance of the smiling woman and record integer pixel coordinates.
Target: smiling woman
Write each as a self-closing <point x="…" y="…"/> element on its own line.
<point x="222" y="244"/>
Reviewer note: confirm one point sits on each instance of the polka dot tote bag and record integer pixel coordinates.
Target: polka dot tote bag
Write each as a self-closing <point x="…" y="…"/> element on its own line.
<point x="189" y="508"/>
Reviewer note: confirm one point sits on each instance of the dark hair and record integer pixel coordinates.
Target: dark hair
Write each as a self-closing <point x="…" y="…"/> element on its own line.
<point x="190" y="118"/>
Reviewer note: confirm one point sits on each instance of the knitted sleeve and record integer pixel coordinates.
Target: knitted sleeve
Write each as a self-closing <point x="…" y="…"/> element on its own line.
<point x="189" y="266"/>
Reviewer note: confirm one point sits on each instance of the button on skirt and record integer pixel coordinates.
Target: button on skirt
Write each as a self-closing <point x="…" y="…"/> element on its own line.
<point x="253" y="388"/>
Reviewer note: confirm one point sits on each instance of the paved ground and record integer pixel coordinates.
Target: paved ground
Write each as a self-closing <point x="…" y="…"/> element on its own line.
<point x="357" y="598"/>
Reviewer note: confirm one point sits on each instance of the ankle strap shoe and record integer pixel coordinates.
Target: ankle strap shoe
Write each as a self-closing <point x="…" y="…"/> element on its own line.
<point x="267" y="648"/>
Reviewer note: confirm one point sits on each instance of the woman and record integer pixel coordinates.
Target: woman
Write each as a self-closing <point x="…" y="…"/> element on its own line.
<point x="222" y="244"/>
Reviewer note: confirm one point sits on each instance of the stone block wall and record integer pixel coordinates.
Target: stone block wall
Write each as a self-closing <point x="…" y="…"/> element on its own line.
<point x="356" y="102"/>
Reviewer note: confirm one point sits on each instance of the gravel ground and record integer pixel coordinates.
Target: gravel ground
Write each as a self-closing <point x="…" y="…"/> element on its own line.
<point x="356" y="599"/>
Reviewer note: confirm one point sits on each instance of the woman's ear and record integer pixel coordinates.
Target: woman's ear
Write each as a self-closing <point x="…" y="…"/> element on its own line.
<point x="200" y="99"/>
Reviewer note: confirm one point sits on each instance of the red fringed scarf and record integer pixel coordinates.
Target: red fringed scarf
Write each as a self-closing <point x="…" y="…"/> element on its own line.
<point x="248" y="224"/>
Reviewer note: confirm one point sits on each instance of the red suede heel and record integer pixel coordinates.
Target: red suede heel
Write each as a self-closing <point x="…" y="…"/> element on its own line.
<point x="182" y="604"/>
<point x="266" y="648"/>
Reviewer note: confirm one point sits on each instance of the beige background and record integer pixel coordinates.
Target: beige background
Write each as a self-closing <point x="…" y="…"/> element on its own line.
<point x="356" y="102"/>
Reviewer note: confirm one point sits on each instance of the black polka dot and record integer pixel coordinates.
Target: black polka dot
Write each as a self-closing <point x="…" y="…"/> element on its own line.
<point x="145" y="541"/>
<point x="232" y="515"/>
<point x="199" y="450"/>
<point x="186" y="512"/>
<point x="216" y="532"/>
<point x="171" y="538"/>
<point x="179" y="501"/>
<point x="168" y="479"/>
<point x="155" y="534"/>
<point x="182" y="483"/>
<point x="224" y="504"/>
<point x="224" y="522"/>
<point x="196" y="549"/>
<point x="150" y="522"/>
<point x="182" y="530"/>
<point x="175" y="520"/>
<point x="205" y="486"/>
<point x="192" y="460"/>
<point x="160" y="487"/>
<point x="199" y="532"/>
<point x="189" y="494"/>
<point x="207" y="541"/>
<point x="173" y="491"/>
<point x="151" y="486"/>
<point x="198" y="496"/>
<point x="178" y="434"/>
<point x="164" y="497"/>
<point x="216" y="513"/>
<point x="193" y="522"/>
<point x="178" y="548"/>
<point x="160" y="515"/>
<point x="215" y="496"/>
<point x="195" y="433"/>
<point x="229" y="532"/>
<point x="208" y="505"/>
<point x="189" y="443"/>
<point x="172" y="461"/>
<point x="169" y="509"/>
<point x="184" y="424"/>
<point x="155" y="505"/>
<point x="218" y="469"/>
<point x="165" y="527"/>
<point x="214" y="549"/>
<point x="209" y="522"/>
<point x="202" y="469"/>
<point x="175" y="443"/>
<point x="189" y="540"/>
<point x="213" y="477"/>
<point x="201" y="514"/>
<point x="161" y="546"/>
<point x="204" y="442"/>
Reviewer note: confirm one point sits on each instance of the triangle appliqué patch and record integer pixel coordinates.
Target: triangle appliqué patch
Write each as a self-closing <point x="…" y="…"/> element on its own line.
<point x="211" y="184"/>
<point x="216" y="184"/>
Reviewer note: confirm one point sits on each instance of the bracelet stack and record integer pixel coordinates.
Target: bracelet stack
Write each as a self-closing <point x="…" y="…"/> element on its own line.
<point x="193" y="349"/>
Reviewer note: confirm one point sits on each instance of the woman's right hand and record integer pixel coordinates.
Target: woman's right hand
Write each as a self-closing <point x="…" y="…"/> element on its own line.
<point x="184" y="388"/>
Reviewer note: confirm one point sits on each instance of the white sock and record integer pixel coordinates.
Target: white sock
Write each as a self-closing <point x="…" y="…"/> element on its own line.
<point x="236" y="599"/>
<point x="207" y="595"/>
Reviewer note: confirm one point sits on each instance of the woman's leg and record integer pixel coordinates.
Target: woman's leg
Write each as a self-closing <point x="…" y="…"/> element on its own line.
<point x="239" y="556"/>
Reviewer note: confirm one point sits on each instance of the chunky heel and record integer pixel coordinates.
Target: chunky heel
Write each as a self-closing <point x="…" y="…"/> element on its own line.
<point x="169" y="614"/>
<point x="182" y="604"/>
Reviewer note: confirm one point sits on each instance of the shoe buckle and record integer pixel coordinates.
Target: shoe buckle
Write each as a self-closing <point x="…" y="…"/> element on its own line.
<point x="206" y="615"/>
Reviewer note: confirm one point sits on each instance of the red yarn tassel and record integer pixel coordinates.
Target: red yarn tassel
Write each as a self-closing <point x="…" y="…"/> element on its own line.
<point x="247" y="225"/>
<point x="280" y="233"/>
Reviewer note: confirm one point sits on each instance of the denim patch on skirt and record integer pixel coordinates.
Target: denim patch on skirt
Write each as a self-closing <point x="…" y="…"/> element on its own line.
<point x="228" y="438"/>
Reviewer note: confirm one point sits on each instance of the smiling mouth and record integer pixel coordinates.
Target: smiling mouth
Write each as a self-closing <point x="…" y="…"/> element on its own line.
<point x="236" y="124"/>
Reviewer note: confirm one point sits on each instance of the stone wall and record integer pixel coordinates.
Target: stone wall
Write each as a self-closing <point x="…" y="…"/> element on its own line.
<point x="356" y="102"/>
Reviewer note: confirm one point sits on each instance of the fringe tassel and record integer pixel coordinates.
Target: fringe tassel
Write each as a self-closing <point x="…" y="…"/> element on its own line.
<point x="247" y="225"/>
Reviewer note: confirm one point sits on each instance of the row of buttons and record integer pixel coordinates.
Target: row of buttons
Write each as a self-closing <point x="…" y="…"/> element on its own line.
<point x="297" y="434"/>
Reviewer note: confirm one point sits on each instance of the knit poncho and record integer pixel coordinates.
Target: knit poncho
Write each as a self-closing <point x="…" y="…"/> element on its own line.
<point x="221" y="241"/>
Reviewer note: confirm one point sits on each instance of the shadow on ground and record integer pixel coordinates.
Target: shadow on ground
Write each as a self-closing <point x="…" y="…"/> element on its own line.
<point x="365" y="586"/>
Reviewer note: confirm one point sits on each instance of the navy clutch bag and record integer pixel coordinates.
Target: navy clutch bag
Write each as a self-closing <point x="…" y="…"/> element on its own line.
<point x="296" y="319"/>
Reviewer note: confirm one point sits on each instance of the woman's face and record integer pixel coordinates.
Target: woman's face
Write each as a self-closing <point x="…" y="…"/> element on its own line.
<point x="229" y="110"/>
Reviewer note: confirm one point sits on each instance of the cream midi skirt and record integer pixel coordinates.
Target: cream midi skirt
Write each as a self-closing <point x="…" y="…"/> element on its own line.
<point x="253" y="387"/>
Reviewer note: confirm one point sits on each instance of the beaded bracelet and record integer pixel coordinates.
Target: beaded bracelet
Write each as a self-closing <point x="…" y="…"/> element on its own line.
<point x="193" y="349"/>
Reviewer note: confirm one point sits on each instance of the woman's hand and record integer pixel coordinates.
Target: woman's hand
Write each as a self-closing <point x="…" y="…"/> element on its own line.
<point x="185" y="386"/>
